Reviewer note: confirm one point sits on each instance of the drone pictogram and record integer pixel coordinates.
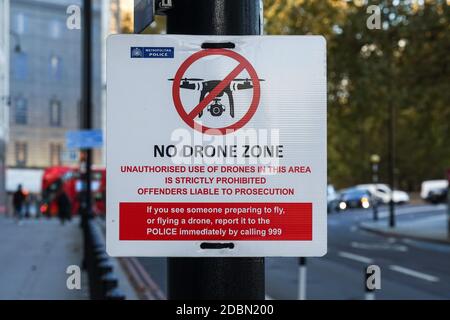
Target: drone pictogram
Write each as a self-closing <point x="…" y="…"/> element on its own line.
<point x="212" y="91"/>
<point x="216" y="108"/>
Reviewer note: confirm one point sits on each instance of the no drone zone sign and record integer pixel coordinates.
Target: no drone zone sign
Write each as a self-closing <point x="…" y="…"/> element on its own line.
<point x="216" y="152"/>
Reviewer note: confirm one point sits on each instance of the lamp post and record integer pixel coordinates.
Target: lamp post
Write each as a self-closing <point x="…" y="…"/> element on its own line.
<point x="374" y="161"/>
<point x="215" y="278"/>
<point x="86" y="111"/>
<point x="391" y="129"/>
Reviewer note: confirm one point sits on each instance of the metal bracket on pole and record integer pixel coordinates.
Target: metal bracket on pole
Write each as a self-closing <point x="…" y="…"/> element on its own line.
<point x="162" y="6"/>
<point x="145" y="11"/>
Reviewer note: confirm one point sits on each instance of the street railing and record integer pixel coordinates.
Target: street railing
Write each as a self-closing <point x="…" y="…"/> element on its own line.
<point x="103" y="283"/>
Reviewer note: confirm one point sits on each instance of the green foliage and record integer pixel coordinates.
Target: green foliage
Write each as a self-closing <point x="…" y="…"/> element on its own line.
<point x="406" y="64"/>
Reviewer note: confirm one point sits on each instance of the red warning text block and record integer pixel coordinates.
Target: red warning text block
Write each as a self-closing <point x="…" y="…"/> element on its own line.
<point x="215" y="221"/>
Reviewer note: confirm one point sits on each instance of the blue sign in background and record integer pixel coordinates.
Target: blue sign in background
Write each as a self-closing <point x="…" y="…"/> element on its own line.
<point x="84" y="139"/>
<point x="143" y="14"/>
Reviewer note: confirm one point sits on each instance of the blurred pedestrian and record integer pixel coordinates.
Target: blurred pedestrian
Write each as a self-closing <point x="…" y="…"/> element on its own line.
<point x="32" y="206"/>
<point x="64" y="205"/>
<point x="18" y="203"/>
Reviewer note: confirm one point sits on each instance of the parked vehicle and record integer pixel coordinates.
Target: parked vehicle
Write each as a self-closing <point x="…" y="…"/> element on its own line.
<point x="382" y="192"/>
<point x="432" y="190"/>
<point x="354" y="198"/>
<point x="436" y="196"/>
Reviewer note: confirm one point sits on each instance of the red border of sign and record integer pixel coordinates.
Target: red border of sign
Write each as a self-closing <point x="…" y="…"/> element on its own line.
<point x="185" y="116"/>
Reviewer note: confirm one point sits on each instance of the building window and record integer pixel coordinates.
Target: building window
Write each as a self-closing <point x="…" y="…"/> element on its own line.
<point x="20" y="66"/>
<point x="21" y="149"/>
<point x="55" y="67"/>
<point x="55" y="154"/>
<point x="55" y="112"/>
<point x="20" y="23"/>
<point x="21" y="110"/>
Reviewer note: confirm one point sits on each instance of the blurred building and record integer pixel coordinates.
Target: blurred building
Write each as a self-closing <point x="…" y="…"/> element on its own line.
<point x="4" y="94"/>
<point x="45" y="82"/>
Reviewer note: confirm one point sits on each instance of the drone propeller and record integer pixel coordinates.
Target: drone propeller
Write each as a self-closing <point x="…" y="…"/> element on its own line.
<point x="189" y="79"/>
<point x="247" y="79"/>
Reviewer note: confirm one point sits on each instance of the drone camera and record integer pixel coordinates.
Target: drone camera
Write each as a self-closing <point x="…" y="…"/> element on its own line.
<point x="216" y="109"/>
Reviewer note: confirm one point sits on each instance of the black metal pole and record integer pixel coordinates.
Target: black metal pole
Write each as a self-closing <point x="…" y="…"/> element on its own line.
<point x="215" y="278"/>
<point x="302" y="278"/>
<point x="391" y="133"/>
<point x="86" y="110"/>
<point x="375" y="182"/>
<point x="391" y="145"/>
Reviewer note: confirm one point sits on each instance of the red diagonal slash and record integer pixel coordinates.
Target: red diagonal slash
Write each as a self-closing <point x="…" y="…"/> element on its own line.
<point x="217" y="90"/>
<point x="188" y="118"/>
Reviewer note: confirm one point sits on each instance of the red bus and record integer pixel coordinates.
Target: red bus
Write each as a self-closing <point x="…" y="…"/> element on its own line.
<point x="69" y="177"/>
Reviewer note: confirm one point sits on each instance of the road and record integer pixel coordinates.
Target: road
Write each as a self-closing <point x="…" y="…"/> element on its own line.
<point x="410" y="269"/>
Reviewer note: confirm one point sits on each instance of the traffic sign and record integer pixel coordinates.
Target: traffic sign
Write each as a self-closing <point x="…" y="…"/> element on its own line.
<point x="84" y="139"/>
<point x="143" y="14"/>
<point x="216" y="152"/>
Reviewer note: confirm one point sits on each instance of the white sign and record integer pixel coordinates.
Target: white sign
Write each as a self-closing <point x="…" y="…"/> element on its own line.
<point x="216" y="152"/>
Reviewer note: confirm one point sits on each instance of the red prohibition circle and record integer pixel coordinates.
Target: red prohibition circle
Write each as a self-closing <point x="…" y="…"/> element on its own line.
<point x="244" y="64"/>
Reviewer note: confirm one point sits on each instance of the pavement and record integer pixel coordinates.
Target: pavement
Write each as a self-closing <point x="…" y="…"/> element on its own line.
<point x="34" y="257"/>
<point x="434" y="228"/>
<point x="121" y="271"/>
<point x="410" y="268"/>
